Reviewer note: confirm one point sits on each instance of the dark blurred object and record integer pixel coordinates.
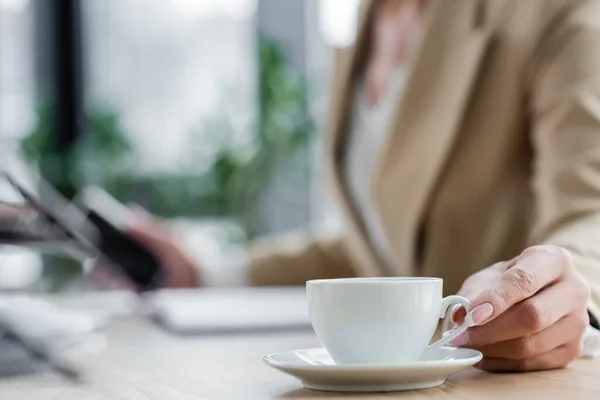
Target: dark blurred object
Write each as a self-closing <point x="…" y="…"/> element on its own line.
<point x="115" y="246"/>
<point x="58" y="26"/>
<point x="66" y="19"/>
<point x="593" y="320"/>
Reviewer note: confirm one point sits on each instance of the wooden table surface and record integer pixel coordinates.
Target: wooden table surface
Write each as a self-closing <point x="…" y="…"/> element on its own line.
<point x="140" y="361"/>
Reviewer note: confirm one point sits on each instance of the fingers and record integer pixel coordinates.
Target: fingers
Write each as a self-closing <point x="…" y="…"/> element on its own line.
<point x="477" y="283"/>
<point x="528" y="313"/>
<point x="553" y="359"/>
<point x="149" y="232"/>
<point x="536" y="268"/>
<point x="529" y="316"/>
<point x="564" y="331"/>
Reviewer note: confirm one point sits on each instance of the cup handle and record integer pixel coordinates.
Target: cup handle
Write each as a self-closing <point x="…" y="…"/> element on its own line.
<point x="447" y="302"/>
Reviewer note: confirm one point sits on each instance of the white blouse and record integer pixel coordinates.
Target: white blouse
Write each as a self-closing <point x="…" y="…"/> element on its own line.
<point x="365" y="142"/>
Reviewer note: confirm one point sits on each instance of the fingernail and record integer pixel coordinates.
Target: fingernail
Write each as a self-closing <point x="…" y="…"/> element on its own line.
<point x="460" y="340"/>
<point x="481" y="313"/>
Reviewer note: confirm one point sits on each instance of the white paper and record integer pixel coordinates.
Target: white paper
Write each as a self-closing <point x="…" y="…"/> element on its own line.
<point x="230" y="309"/>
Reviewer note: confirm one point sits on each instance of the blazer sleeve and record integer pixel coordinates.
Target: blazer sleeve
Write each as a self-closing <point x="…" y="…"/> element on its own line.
<point x="566" y="141"/>
<point x="296" y="258"/>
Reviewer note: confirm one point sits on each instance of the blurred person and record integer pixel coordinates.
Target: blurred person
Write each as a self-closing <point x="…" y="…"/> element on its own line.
<point x="463" y="143"/>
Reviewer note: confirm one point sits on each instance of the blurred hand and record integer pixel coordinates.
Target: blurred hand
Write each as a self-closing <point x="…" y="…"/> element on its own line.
<point x="180" y="270"/>
<point x="531" y="312"/>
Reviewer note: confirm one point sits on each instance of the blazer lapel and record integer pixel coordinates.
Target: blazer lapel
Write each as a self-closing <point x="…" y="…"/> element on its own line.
<point x="428" y="118"/>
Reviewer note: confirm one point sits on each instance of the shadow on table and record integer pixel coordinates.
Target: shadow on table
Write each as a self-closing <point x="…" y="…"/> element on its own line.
<point x="314" y="394"/>
<point x="455" y="382"/>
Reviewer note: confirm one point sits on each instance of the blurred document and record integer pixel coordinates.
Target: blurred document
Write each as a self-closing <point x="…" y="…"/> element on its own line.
<point x="214" y="310"/>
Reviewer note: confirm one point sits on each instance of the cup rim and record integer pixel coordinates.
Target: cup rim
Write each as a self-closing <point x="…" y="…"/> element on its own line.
<point x="374" y="280"/>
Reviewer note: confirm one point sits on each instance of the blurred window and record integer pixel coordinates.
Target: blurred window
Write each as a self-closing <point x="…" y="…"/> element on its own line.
<point x="201" y="110"/>
<point x="165" y="66"/>
<point x="338" y="20"/>
<point x="16" y="68"/>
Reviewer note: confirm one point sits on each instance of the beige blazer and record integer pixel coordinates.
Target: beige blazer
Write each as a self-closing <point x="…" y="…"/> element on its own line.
<point x="494" y="147"/>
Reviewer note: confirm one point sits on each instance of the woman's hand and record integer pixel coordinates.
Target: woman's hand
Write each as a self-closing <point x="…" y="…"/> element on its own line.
<point x="531" y="312"/>
<point x="179" y="269"/>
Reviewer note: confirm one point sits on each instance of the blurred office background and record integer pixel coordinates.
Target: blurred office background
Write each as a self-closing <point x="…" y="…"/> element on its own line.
<point x="208" y="113"/>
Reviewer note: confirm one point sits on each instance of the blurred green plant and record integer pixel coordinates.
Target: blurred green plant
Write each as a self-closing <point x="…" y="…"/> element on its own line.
<point x="242" y="171"/>
<point x="102" y="156"/>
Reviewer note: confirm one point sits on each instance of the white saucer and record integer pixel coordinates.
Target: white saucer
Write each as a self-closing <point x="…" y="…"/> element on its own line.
<point x="318" y="371"/>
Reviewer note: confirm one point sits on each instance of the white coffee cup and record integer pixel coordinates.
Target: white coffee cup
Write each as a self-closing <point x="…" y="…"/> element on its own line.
<point x="379" y="320"/>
